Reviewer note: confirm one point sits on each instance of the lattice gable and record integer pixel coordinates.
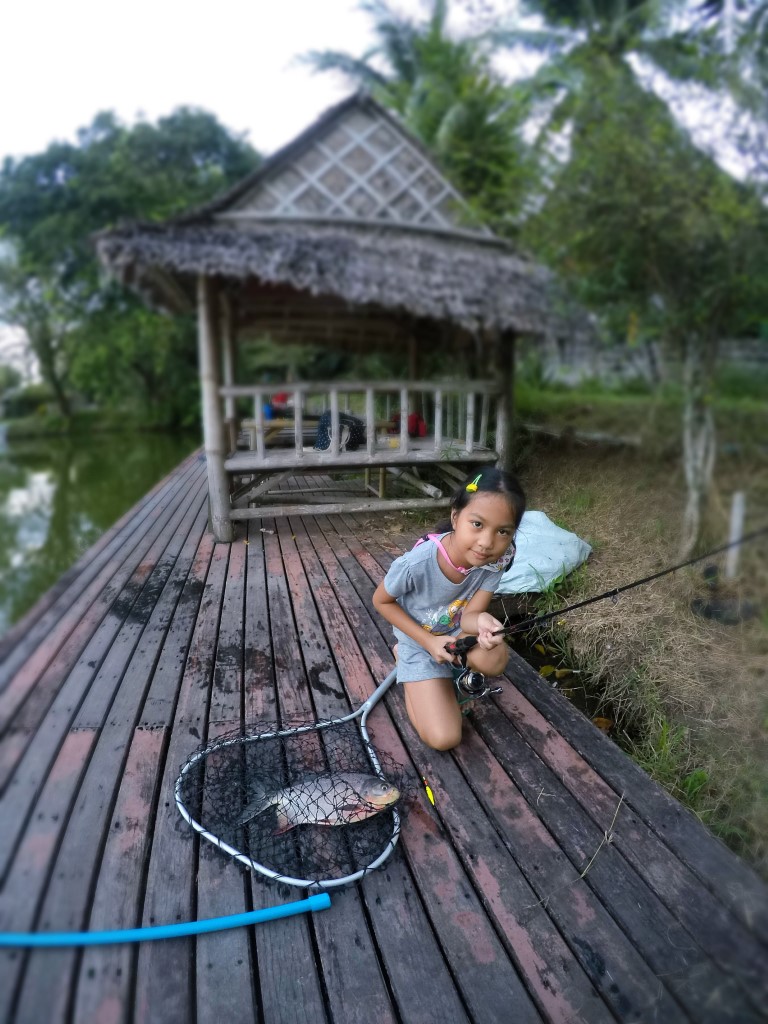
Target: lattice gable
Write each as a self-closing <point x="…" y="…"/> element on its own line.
<point x="360" y="167"/>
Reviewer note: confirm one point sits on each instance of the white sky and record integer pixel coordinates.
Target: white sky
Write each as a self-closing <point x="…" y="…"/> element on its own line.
<point x="61" y="63"/>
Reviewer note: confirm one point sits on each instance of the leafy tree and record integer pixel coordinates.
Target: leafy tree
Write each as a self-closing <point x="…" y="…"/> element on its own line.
<point x="650" y="230"/>
<point x="447" y="93"/>
<point x="52" y="203"/>
<point x="9" y="377"/>
<point x="653" y="233"/>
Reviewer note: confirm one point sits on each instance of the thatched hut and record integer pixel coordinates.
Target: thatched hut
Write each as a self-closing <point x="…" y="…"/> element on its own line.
<point x="349" y="237"/>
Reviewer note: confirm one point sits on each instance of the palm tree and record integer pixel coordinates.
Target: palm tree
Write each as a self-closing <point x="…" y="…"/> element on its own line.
<point x="585" y="43"/>
<point x="447" y="93"/>
<point x="643" y="222"/>
<point x="737" y="32"/>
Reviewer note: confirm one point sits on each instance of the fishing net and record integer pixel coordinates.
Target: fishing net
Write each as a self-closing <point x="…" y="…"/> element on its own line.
<point x="309" y="805"/>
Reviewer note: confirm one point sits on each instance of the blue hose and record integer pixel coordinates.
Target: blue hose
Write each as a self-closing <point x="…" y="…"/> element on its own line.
<point x="321" y="901"/>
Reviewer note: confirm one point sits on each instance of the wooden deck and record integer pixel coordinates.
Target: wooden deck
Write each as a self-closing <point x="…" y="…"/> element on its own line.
<point x="160" y="638"/>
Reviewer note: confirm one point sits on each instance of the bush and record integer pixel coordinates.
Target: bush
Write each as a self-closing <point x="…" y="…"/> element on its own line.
<point x="27" y="401"/>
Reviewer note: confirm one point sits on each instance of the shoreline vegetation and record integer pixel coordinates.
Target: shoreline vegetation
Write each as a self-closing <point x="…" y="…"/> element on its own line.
<point x="86" y="422"/>
<point x="686" y="696"/>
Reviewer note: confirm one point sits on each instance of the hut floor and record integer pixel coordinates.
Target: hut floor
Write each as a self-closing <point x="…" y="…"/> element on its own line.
<point x="550" y="880"/>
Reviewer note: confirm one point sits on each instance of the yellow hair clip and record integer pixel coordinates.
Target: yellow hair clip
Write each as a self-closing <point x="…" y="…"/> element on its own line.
<point x="473" y="485"/>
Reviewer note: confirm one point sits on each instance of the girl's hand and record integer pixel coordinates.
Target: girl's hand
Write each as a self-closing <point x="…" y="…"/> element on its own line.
<point x="436" y="648"/>
<point x="487" y="625"/>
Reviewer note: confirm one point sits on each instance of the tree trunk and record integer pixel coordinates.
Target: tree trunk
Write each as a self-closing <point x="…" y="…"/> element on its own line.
<point x="699" y="441"/>
<point x="45" y="343"/>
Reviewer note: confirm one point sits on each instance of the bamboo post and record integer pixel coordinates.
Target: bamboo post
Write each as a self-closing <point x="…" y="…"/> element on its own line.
<point x="298" y="424"/>
<point x="228" y="367"/>
<point x="470" y="435"/>
<point x="503" y="362"/>
<point x="403" y="420"/>
<point x="370" y="424"/>
<point x="334" y="421"/>
<point x="213" y="427"/>
<point x="483" y="439"/>
<point x="438" y="419"/>
<point x="258" y="415"/>
<point x="738" y="505"/>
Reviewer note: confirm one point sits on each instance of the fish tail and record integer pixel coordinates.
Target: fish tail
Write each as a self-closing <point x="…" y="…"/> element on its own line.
<point x="258" y="805"/>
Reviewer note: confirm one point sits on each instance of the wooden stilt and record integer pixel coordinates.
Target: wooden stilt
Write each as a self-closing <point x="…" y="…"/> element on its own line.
<point x="213" y="426"/>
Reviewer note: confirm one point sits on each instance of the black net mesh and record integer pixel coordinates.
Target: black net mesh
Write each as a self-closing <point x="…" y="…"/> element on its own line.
<point x="306" y="805"/>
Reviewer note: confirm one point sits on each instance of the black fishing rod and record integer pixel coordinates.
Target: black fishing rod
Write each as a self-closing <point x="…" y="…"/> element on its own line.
<point x="464" y="644"/>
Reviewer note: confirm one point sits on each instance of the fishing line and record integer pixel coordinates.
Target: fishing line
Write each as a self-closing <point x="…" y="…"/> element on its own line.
<point x="465" y="644"/>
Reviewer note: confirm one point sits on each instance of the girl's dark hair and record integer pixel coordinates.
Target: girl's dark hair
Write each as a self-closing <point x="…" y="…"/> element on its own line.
<point x="487" y="480"/>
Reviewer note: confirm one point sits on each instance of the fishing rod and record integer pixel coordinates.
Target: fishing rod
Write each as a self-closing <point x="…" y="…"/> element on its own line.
<point x="463" y="645"/>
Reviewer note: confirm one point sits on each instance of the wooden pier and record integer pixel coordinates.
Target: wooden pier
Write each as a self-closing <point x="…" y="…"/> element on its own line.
<point x="551" y="880"/>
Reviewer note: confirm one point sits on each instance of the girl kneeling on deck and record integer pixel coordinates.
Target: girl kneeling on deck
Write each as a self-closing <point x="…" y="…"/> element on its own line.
<point x="441" y="590"/>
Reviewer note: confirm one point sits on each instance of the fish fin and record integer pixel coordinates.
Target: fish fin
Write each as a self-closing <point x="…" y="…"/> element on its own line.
<point x="257" y="806"/>
<point x="283" y="824"/>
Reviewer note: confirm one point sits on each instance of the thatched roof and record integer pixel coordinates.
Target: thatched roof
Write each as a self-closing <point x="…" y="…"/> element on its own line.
<point x="465" y="283"/>
<point x="352" y="209"/>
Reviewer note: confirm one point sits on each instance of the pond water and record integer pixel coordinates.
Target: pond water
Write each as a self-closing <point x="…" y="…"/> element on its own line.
<point x="58" y="495"/>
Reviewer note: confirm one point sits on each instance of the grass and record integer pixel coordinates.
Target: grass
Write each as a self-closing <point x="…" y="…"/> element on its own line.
<point x="654" y="419"/>
<point x="687" y="696"/>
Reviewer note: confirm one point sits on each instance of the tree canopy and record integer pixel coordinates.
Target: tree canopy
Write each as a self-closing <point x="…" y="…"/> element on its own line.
<point x="90" y="335"/>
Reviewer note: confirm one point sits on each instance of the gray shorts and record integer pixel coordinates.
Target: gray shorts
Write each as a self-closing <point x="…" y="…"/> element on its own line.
<point x="414" y="664"/>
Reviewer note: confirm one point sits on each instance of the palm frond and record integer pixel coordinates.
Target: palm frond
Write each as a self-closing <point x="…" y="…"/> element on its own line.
<point x="357" y="68"/>
<point x="682" y="59"/>
<point x="545" y="41"/>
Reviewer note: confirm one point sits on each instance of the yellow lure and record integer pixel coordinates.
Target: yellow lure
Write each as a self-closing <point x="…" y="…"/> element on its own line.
<point x="430" y="794"/>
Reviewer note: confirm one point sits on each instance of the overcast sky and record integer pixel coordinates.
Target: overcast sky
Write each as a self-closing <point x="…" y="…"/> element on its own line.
<point x="62" y="62"/>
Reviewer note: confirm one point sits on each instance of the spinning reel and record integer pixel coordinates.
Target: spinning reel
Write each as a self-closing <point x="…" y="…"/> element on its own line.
<point x="470" y="684"/>
<point x="474" y="685"/>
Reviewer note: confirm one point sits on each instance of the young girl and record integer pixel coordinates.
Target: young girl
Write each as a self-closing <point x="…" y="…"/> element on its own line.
<point x="441" y="590"/>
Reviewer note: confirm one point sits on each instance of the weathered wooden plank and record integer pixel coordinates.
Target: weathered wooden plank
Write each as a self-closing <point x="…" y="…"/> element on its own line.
<point x="719" y="932"/>
<point x="287" y="953"/>
<point x="165" y="971"/>
<point x="286" y="458"/>
<point x="351" y="505"/>
<point x="101" y="986"/>
<point x="734" y="882"/>
<point x="105" y="975"/>
<point x="636" y="963"/>
<point x="20" y="894"/>
<point x="223" y="959"/>
<point x="112" y="705"/>
<point x="98" y="659"/>
<point x="418" y="975"/>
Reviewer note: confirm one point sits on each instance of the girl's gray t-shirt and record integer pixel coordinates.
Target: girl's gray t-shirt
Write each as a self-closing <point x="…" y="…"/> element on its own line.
<point x="421" y="589"/>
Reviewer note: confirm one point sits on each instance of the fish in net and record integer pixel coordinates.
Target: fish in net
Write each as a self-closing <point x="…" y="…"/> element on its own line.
<point x="310" y="805"/>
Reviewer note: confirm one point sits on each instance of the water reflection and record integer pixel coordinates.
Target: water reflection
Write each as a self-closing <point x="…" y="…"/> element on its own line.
<point x="57" y="496"/>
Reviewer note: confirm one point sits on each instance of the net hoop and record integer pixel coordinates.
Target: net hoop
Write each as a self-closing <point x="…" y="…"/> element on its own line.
<point x="248" y="862"/>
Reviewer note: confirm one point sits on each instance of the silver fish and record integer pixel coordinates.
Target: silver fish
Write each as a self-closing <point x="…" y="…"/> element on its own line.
<point x="324" y="800"/>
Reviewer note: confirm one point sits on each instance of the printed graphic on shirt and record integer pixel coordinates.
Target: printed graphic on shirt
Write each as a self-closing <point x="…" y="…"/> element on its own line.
<point x="445" y="620"/>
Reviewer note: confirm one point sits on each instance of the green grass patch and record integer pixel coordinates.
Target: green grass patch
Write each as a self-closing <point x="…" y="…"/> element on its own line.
<point x="654" y="419"/>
